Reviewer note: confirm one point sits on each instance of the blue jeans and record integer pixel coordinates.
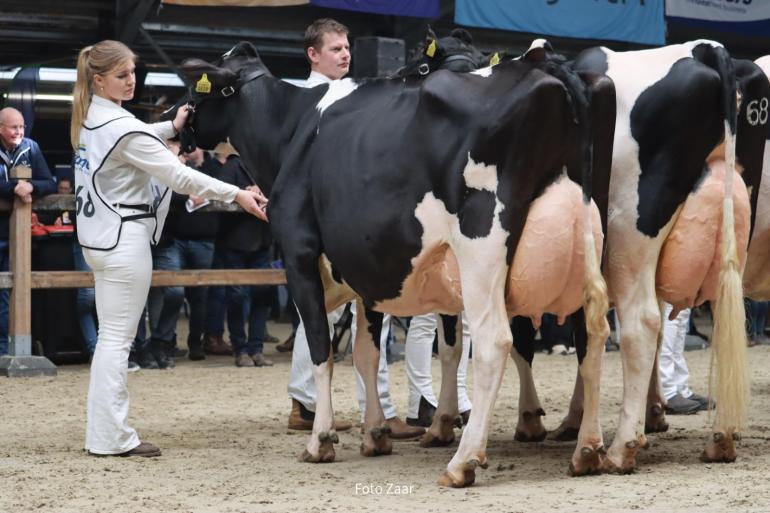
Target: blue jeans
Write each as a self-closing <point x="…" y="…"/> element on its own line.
<point x="5" y="295"/>
<point x="757" y="315"/>
<point x="260" y="297"/>
<point x="86" y="301"/>
<point x="165" y="302"/>
<point x="215" y="301"/>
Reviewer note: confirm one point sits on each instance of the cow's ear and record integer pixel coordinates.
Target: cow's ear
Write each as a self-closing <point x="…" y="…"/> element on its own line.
<point x="538" y="51"/>
<point x="431" y="43"/>
<point x="462" y="35"/>
<point x="206" y="77"/>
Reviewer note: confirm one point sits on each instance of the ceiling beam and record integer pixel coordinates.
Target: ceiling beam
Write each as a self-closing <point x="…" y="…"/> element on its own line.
<point x="129" y="15"/>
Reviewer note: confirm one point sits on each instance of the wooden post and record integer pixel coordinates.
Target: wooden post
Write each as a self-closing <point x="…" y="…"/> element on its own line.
<point x="20" y="307"/>
<point x="20" y="362"/>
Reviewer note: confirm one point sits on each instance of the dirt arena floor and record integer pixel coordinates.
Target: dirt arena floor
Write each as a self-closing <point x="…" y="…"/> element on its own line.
<point x="226" y="449"/>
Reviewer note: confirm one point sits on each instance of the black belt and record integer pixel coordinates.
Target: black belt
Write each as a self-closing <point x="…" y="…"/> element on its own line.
<point x="143" y="207"/>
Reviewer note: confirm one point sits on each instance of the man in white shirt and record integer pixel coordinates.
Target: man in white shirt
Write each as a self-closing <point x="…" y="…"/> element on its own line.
<point x="328" y="50"/>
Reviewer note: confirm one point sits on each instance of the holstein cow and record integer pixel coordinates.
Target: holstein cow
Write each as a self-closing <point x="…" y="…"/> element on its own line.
<point x="754" y="94"/>
<point x="425" y="195"/>
<point x="676" y="107"/>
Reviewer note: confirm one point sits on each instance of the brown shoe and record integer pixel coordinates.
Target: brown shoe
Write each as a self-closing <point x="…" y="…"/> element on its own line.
<point x="399" y="430"/>
<point x="244" y="360"/>
<point x="301" y="419"/>
<point x="260" y="360"/>
<point x="215" y="344"/>
<point x="144" y="449"/>
<point x="286" y="346"/>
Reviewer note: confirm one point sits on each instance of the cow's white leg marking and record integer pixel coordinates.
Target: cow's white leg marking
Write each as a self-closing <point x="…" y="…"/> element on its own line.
<point x="530" y="426"/>
<point x="366" y="358"/>
<point x="320" y="446"/>
<point x="441" y="431"/>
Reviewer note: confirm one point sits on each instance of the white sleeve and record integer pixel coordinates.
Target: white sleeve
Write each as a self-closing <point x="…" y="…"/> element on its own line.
<point x="152" y="157"/>
<point x="163" y="129"/>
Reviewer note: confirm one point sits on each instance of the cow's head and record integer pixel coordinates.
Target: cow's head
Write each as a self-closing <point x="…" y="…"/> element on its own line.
<point x="454" y="53"/>
<point x="212" y="88"/>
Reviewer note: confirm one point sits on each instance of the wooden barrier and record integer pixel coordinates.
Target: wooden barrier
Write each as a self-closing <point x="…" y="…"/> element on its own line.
<point x="21" y="279"/>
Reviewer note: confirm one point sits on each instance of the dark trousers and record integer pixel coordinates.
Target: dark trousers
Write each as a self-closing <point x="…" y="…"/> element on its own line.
<point x="260" y="297"/>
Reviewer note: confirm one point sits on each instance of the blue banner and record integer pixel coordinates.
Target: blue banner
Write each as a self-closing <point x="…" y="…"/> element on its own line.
<point x="637" y="21"/>
<point x="751" y="17"/>
<point x="416" y="8"/>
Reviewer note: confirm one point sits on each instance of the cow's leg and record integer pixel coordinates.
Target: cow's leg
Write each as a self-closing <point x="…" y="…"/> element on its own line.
<point x="483" y="272"/>
<point x="450" y="350"/>
<point x="570" y="426"/>
<point x="307" y="289"/>
<point x="530" y="426"/>
<point x="639" y="316"/>
<point x="366" y="357"/>
<point x="655" y="414"/>
<point x="589" y="452"/>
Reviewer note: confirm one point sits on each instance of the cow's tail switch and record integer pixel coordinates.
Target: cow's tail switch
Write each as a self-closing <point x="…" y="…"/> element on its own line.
<point x="595" y="300"/>
<point x="728" y="357"/>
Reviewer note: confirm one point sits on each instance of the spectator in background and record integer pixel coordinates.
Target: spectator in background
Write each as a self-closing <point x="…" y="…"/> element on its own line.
<point x="214" y="326"/>
<point x="191" y="246"/>
<point x="17" y="150"/>
<point x="756" y="316"/>
<point x="245" y="243"/>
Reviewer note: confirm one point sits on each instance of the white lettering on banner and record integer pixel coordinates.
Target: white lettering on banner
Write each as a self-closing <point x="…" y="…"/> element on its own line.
<point x="613" y="2"/>
<point x="719" y="10"/>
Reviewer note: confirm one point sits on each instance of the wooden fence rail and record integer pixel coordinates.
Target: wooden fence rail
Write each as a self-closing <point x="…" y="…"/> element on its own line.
<point x="21" y="279"/>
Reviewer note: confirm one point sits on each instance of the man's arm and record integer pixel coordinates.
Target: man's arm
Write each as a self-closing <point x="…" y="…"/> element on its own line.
<point x="42" y="180"/>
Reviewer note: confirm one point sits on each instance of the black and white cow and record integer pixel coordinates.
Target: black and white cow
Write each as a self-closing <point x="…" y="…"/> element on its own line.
<point x="425" y="195"/>
<point x="672" y="186"/>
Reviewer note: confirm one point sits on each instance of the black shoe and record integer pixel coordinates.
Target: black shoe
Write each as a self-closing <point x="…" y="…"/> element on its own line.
<point x="195" y="346"/>
<point x="145" y="359"/>
<point x="158" y="350"/>
<point x="705" y="403"/>
<point x="679" y="405"/>
<point x="424" y="414"/>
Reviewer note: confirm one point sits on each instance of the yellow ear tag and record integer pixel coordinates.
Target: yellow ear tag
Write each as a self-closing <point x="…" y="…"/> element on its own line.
<point x="431" y="50"/>
<point x="495" y="59"/>
<point x="203" y="85"/>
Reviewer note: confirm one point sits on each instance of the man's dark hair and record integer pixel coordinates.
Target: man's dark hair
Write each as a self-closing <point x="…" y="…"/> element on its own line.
<point x="314" y="33"/>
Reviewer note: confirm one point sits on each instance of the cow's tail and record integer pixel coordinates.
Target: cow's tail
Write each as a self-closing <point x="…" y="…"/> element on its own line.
<point x="595" y="298"/>
<point x="728" y="359"/>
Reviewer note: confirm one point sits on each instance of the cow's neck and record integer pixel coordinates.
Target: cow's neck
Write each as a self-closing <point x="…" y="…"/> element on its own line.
<point x="269" y="112"/>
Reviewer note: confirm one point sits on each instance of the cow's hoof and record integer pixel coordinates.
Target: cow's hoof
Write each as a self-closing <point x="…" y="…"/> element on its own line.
<point x="564" y="433"/>
<point x="655" y="420"/>
<point x="325" y="454"/>
<point x="377" y="442"/>
<point x="587" y="462"/>
<point x="721" y="448"/>
<point x="530" y="428"/>
<point x="626" y="464"/>
<point x="466" y="478"/>
<point x="439" y="435"/>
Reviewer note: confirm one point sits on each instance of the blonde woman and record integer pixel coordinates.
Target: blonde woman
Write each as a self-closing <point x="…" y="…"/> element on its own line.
<point x="123" y="171"/>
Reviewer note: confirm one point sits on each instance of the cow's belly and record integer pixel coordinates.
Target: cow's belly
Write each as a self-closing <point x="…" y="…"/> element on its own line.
<point x="688" y="267"/>
<point x="547" y="273"/>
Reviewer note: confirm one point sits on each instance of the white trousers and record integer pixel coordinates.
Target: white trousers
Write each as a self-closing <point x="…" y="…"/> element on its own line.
<point x="302" y="385"/>
<point x="419" y="349"/>
<point x="122" y="280"/>
<point x="674" y="374"/>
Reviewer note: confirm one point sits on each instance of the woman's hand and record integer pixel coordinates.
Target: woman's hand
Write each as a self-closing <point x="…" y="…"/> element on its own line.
<point x="181" y="117"/>
<point x="253" y="201"/>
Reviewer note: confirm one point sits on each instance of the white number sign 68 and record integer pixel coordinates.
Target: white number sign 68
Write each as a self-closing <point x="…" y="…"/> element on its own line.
<point x="756" y="112"/>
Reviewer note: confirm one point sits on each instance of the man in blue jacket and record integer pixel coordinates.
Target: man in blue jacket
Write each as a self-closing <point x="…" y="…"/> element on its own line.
<point x="17" y="150"/>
